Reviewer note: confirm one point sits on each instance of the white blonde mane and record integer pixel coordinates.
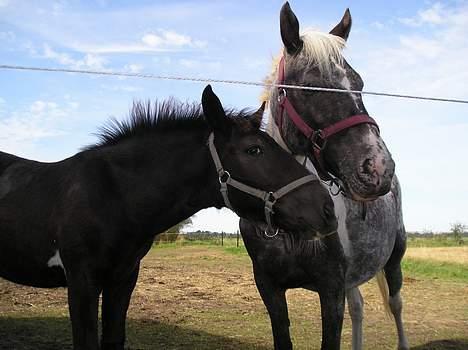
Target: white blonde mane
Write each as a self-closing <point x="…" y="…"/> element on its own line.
<point x="322" y="49"/>
<point x="319" y="49"/>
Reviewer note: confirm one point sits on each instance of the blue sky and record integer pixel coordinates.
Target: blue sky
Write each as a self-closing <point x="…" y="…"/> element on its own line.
<point x="416" y="47"/>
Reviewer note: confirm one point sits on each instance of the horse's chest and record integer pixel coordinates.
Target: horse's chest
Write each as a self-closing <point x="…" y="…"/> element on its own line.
<point x="368" y="236"/>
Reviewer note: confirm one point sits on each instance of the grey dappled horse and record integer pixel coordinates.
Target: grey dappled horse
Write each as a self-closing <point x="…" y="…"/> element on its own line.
<point x="344" y="146"/>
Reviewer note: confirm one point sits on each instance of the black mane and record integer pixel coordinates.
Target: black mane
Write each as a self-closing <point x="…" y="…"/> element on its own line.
<point x="147" y="117"/>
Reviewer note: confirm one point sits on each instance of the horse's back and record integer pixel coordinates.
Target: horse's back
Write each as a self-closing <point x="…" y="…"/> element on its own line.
<point x="28" y="194"/>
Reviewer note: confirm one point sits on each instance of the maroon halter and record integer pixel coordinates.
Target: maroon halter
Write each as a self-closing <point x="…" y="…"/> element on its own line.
<point x="318" y="137"/>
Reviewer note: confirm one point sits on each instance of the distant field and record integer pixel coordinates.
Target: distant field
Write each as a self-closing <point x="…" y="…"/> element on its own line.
<point x="438" y="240"/>
<point x="203" y="297"/>
<point x="447" y="254"/>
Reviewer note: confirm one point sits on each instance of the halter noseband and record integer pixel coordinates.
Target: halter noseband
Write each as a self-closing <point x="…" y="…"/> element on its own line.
<point x="269" y="198"/>
<point x="317" y="137"/>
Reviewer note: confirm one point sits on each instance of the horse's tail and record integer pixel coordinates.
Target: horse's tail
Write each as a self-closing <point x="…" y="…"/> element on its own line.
<point x="383" y="287"/>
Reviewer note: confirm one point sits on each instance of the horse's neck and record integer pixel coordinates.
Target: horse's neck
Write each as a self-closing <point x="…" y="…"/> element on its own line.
<point x="341" y="205"/>
<point x="165" y="179"/>
<point x="273" y="131"/>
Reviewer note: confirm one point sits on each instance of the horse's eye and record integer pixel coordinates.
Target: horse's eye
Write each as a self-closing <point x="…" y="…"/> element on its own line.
<point x="254" y="151"/>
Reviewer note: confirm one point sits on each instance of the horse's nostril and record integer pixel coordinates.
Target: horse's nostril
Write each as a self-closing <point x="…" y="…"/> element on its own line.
<point x="368" y="166"/>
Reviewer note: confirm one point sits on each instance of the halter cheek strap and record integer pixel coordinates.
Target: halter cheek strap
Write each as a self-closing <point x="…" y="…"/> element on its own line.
<point x="318" y="137"/>
<point x="269" y="198"/>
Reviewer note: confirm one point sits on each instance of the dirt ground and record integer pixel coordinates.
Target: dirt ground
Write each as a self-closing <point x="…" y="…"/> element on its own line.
<point x="199" y="297"/>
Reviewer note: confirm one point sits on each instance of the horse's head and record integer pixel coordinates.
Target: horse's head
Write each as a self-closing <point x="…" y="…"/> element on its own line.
<point x="354" y="152"/>
<point x="248" y="155"/>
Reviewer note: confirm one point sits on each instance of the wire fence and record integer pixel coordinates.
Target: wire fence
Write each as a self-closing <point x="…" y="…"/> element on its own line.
<point x="233" y="82"/>
<point x="200" y="238"/>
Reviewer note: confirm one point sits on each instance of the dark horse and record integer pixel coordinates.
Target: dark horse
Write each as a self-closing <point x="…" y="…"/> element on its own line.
<point x="334" y="131"/>
<point x="87" y="221"/>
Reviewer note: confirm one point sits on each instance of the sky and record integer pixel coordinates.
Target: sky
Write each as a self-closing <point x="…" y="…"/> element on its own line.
<point x="411" y="47"/>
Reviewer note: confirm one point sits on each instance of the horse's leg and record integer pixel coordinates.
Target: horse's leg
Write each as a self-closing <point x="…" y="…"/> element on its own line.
<point x="394" y="279"/>
<point x="355" y="308"/>
<point x="274" y="299"/>
<point x="115" y="301"/>
<point x="332" y="303"/>
<point x="83" y="301"/>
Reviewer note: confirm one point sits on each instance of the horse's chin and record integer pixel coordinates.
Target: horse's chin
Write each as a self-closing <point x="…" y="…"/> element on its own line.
<point x="361" y="192"/>
<point x="362" y="198"/>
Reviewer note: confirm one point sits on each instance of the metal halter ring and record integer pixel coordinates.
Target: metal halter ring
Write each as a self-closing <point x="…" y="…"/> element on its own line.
<point x="281" y="95"/>
<point x="335" y="181"/>
<point x="224" y="173"/>
<point x="273" y="235"/>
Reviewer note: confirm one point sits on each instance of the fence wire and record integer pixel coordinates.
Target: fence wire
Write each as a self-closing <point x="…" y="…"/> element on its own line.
<point x="232" y="82"/>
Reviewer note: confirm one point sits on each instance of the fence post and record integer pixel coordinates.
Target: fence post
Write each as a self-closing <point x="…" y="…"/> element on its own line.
<point x="222" y="238"/>
<point x="237" y="238"/>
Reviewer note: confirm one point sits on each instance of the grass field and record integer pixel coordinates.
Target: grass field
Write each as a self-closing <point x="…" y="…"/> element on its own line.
<point x="204" y="297"/>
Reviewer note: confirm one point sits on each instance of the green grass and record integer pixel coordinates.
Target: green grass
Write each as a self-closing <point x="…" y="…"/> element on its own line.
<point x="236" y="250"/>
<point x="435" y="269"/>
<point x="215" y="242"/>
<point x="435" y="241"/>
<point x="411" y="267"/>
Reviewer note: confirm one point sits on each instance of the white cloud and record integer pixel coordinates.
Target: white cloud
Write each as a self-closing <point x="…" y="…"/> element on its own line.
<point x="429" y="63"/>
<point x="427" y="139"/>
<point x="21" y="130"/>
<point x="378" y="25"/>
<point x="215" y="220"/>
<point x="28" y="131"/>
<point x="73" y="105"/>
<point x="434" y="15"/>
<point x="7" y="36"/>
<point x="162" y="60"/>
<point x="133" y="68"/>
<point x="124" y="88"/>
<point x="188" y="63"/>
<point x="80" y="27"/>
<point x="152" y="40"/>
<point x="256" y="63"/>
<point x="160" y="41"/>
<point x="89" y="60"/>
<point x="203" y="67"/>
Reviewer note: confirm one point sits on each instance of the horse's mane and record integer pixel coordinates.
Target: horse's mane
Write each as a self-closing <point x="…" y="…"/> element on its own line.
<point x="160" y="116"/>
<point x="319" y="49"/>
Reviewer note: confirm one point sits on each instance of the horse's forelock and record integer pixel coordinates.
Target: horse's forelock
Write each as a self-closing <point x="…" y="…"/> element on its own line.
<point x="320" y="49"/>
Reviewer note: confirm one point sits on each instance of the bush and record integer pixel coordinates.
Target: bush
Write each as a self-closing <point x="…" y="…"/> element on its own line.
<point x="167" y="237"/>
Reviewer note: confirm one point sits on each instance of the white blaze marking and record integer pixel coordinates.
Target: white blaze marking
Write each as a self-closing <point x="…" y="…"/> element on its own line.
<point x="56" y="261"/>
<point x="270" y="127"/>
<point x="346" y="84"/>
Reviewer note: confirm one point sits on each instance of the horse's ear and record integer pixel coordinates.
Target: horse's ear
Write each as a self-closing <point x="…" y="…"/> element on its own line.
<point x="289" y="26"/>
<point x="343" y="28"/>
<point x="214" y="111"/>
<point x="257" y="117"/>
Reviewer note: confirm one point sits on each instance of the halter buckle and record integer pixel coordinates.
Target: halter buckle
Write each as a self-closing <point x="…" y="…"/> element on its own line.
<point x="318" y="141"/>
<point x="224" y="177"/>
<point x="281" y="95"/>
<point x="270" y="198"/>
